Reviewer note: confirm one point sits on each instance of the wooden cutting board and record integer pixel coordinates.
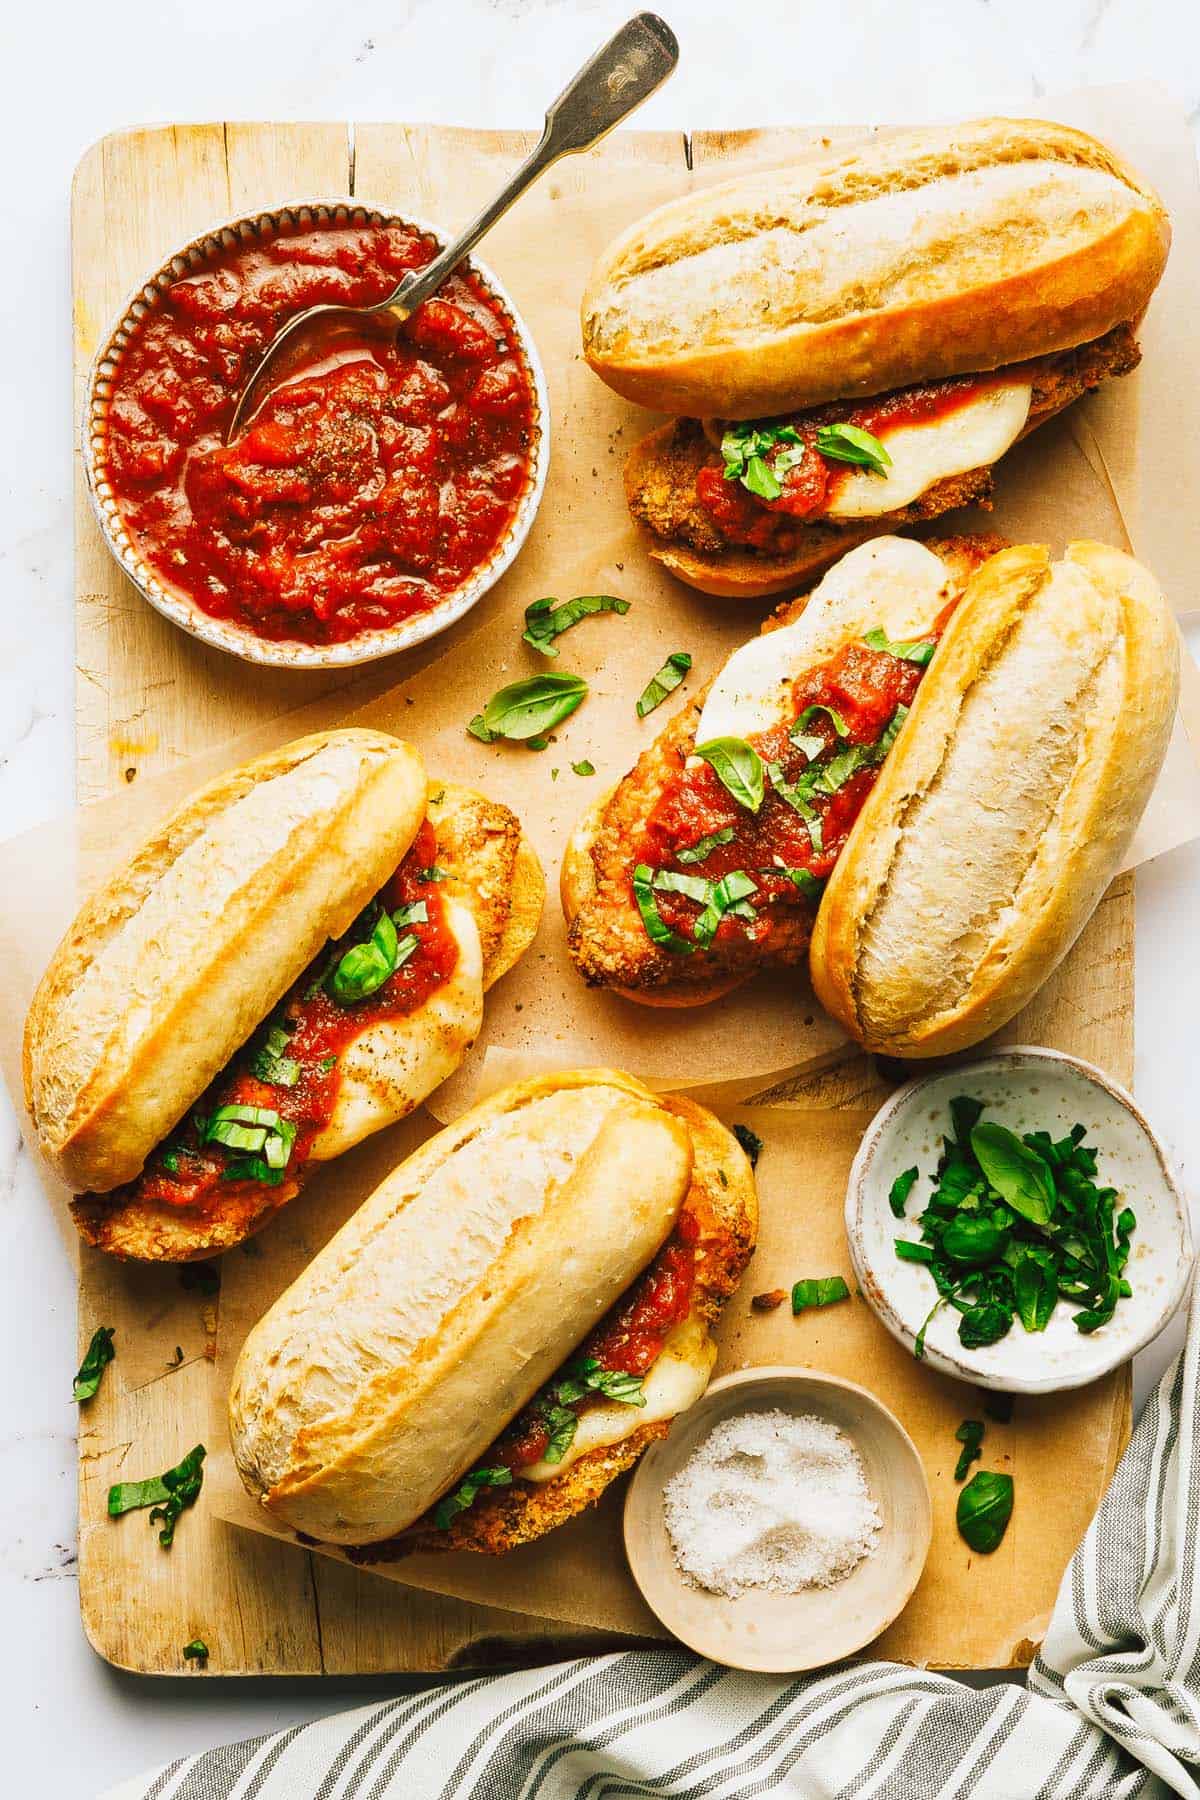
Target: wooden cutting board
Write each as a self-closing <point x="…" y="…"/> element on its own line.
<point x="148" y="696"/>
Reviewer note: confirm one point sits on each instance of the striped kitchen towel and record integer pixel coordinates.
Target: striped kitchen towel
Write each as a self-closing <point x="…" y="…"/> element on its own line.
<point x="1112" y="1708"/>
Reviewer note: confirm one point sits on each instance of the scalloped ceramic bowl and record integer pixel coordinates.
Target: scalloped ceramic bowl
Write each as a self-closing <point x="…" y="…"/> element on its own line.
<point x="225" y="634"/>
<point x="1026" y="1089"/>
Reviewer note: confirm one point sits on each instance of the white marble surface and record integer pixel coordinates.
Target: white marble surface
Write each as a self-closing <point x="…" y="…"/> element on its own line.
<point x="71" y="1725"/>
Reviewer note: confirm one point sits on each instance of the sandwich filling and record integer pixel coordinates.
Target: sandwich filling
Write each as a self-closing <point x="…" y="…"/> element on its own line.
<point x="251" y="1135"/>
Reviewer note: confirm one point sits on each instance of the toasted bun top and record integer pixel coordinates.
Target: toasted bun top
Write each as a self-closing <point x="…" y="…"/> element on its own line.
<point x="171" y="965"/>
<point x="914" y="255"/>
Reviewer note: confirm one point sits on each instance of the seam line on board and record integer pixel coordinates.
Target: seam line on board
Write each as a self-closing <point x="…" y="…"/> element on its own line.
<point x="350" y="157"/>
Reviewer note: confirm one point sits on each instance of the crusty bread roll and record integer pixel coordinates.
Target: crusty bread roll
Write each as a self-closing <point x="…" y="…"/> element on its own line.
<point x="1007" y="804"/>
<point x="211" y="926"/>
<point x="169" y="967"/>
<point x="388" y="1368"/>
<point x="917" y="254"/>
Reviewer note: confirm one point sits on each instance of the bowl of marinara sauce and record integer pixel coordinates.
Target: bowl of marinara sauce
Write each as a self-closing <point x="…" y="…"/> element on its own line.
<point x="383" y="485"/>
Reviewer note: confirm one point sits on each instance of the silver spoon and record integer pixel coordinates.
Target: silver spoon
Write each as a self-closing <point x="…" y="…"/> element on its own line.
<point x="626" y="71"/>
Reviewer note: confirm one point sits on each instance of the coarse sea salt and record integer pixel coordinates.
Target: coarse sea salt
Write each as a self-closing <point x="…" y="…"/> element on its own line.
<point x="773" y="1500"/>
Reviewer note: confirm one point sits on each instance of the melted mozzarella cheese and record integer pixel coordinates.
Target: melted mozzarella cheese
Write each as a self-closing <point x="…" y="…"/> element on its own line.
<point x="971" y="437"/>
<point x="676" y="1381"/>
<point x="891" y="582"/>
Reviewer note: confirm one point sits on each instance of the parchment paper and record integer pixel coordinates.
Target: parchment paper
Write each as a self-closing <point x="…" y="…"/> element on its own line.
<point x="578" y="1574"/>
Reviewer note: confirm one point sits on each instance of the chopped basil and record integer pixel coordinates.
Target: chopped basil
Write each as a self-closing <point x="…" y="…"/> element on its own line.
<point x="583" y="768"/>
<point x="270" y="1062"/>
<point x="326" y="1063"/>
<point x="810" y="885"/>
<point x="705" y="846"/>
<point x="364" y="968"/>
<point x="984" y="1509"/>
<point x="416" y="912"/>
<point x="729" y="895"/>
<point x="664" y="683"/>
<point x="170" y="1160"/>
<point x="466" y="1492"/>
<point x="433" y="873"/>
<point x="825" y="1290"/>
<point x="257" y="1129"/>
<point x="167" y="1494"/>
<point x="738" y="767"/>
<point x="851" y="444"/>
<point x="917" y="650"/>
<point x="545" y="620"/>
<point x="562" y="1422"/>
<point x="657" y="930"/>
<point x="525" y="711"/>
<point x="810" y="713"/>
<point x="196" y="1651"/>
<point x="970" y="1436"/>
<point x="794" y="796"/>
<point x="900" y="1189"/>
<point x="100" y="1353"/>
<point x="745" y="448"/>
<point x="587" y="1376"/>
<point x="750" y="1141"/>
<point x="667" y="881"/>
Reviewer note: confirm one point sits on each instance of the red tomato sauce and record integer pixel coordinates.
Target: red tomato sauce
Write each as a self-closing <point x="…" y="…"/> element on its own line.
<point x="810" y="488"/>
<point x="864" y="687"/>
<point x="185" y="1172"/>
<point x="628" y="1340"/>
<point x="369" y="485"/>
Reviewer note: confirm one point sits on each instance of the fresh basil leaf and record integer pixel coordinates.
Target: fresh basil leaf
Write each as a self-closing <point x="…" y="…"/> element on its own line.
<point x="705" y="846"/>
<point x="99" y="1354"/>
<point x="970" y="1436"/>
<point x="326" y="1064"/>
<point x="984" y="1509"/>
<point x="525" y="711"/>
<point x="416" y="912"/>
<point x="1019" y="1175"/>
<point x="810" y="885"/>
<point x="561" y="1424"/>
<point x="750" y="1141"/>
<point x="433" y="873"/>
<point x="196" y="1651"/>
<point x="917" y="651"/>
<point x="587" y="1377"/>
<point x="694" y="887"/>
<point x="583" y="768"/>
<point x="664" y="683"/>
<point x="737" y="766"/>
<point x="759" y="479"/>
<point x="825" y="1290"/>
<point x="657" y="930"/>
<point x="544" y="621"/>
<point x="168" y="1495"/>
<point x="466" y="1493"/>
<point x="891" y="732"/>
<point x="745" y="448"/>
<point x="900" y="1189"/>
<point x="965" y="1114"/>
<point x="851" y="444"/>
<point x="973" y="1238"/>
<point x="985" y="1323"/>
<point x="272" y="1064"/>
<point x="1035" y="1286"/>
<point x="909" y="1251"/>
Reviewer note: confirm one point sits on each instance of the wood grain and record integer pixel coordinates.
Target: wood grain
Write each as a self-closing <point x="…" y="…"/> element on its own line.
<point x="149" y="696"/>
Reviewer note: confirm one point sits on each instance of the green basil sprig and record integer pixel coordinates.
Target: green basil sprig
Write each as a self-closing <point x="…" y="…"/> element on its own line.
<point x="466" y="1493"/>
<point x="167" y="1494"/>
<point x="745" y="448"/>
<point x="524" y="712"/>
<point x="970" y="1436"/>
<point x="738" y="767"/>
<point x="665" y="682"/>
<point x="100" y="1353"/>
<point x="851" y="444"/>
<point x="824" y="1290"/>
<point x="984" y="1509"/>
<point x="916" y="650"/>
<point x="545" y="619"/>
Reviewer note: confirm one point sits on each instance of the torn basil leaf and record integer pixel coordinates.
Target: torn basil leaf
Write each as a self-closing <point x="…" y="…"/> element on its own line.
<point x="545" y="619"/>
<point x="657" y="930"/>
<point x="824" y="1290"/>
<point x="665" y="682"/>
<point x="524" y="712"/>
<point x="851" y="444"/>
<point x="705" y="846"/>
<point x="168" y="1495"/>
<point x="466" y="1493"/>
<point x="100" y="1353"/>
<point x="970" y="1436"/>
<point x="917" y="651"/>
<point x="737" y="766"/>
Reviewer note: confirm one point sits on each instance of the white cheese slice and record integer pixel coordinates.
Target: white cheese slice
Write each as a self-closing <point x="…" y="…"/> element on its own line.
<point x="971" y="437"/>
<point x="892" y="582"/>
<point x="675" y="1382"/>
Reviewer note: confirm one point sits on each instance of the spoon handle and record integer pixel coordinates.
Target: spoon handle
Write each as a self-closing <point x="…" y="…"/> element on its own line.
<point x="624" y="72"/>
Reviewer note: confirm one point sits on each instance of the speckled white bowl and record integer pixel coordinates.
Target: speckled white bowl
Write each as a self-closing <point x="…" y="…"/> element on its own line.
<point x="224" y="633"/>
<point x="1026" y="1089"/>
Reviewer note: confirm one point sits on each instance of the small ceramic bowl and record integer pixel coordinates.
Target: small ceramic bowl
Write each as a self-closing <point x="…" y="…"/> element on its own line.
<point x="770" y="1632"/>
<point x="227" y="634"/>
<point x="1027" y="1090"/>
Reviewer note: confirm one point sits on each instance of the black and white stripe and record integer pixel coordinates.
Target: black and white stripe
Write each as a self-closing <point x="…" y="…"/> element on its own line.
<point x="1112" y="1709"/>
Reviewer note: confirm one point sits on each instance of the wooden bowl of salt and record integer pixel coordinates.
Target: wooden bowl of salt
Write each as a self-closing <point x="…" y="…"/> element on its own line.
<point x="783" y="1524"/>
